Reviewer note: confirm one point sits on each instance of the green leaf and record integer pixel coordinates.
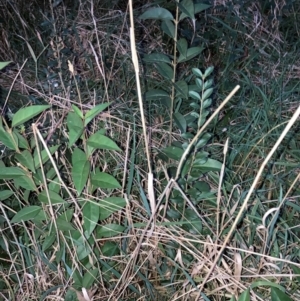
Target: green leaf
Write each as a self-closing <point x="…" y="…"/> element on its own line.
<point x="110" y="205"/>
<point x="168" y="27"/>
<point x="209" y="165"/>
<point x="165" y="70"/>
<point x="28" y="113"/>
<point x="245" y="295"/>
<point x="75" y="126"/>
<point x="182" y="87"/>
<point x="197" y="72"/>
<point x="4" y="64"/>
<point x="48" y="242"/>
<point x="25" y="158"/>
<point x="187" y="7"/>
<point x="25" y="182"/>
<point x="173" y="152"/>
<point x="110" y="249"/>
<point x="207" y="93"/>
<point x="77" y="111"/>
<point x="278" y="295"/>
<point x="180" y="122"/>
<point x="55" y="198"/>
<point x="80" y="170"/>
<point x="26" y="214"/>
<point x="63" y="225"/>
<point x="182" y="46"/>
<point x="104" y="180"/>
<point x="194" y="95"/>
<point x="100" y="141"/>
<point x="5" y="194"/>
<point x="207" y="103"/>
<point x="89" y="278"/>
<point x="203" y="140"/>
<point x="208" y="71"/>
<point x="191" y="53"/>
<point x="8" y="173"/>
<point x="157" y="13"/>
<point x="199" y="7"/>
<point x="44" y="156"/>
<point x="9" y="140"/>
<point x="157" y="94"/>
<point x="91" y="114"/>
<point x="90" y="213"/>
<point x="156" y="58"/>
<point x="109" y="230"/>
<point x="22" y="142"/>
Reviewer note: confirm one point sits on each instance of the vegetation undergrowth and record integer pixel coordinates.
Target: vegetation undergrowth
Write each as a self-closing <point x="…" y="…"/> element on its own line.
<point x="149" y="153"/>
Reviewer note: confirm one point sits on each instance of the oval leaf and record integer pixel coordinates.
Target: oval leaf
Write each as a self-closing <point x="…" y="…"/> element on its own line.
<point x="191" y="53"/>
<point x="157" y="13"/>
<point x="91" y="114"/>
<point x="55" y="198"/>
<point x="104" y="180"/>
<point x="156" y="58"/>
<point x="80" y="170"/>
<point x="26" y="114"/>
<point x="110" y="205"/>
<point x="90" y="213"/>
<point x="165" y="70"/>
<point x="26" y="214"/>
<point x="168" y="27"/>
<point x="100" y="141"/>
<point x="109" y="230"/>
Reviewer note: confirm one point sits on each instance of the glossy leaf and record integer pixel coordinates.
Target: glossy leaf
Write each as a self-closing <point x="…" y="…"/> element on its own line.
<point x="89" y="278"/>
<point x="168" y="28"/>
<point x="90" y="213"/>
<point x="110" y="205"/>
<point x="80" y="169"/>
<point x="180" y="121"/>
<point x="75" y="126"/>
<point x="8" y="173"/>
<point x="165" y="70"/>
<point x="26" y="214"/>
<point x="156" y="58"/>
<point x="91" y="114"/>
<point x="28" y="113"/>
<point x="104" y="180"/>
<point x="109" y="230"/>
<point x="25" y="158"/>
<point x="191" y="53"/>
<point x="278" y="295"/>
<point x="157" y="13"/>
<point x="44" y="156"/>
<point x="100" y="141"/>
<point x="182" y="46"/>
<point x="55" y="198"/>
